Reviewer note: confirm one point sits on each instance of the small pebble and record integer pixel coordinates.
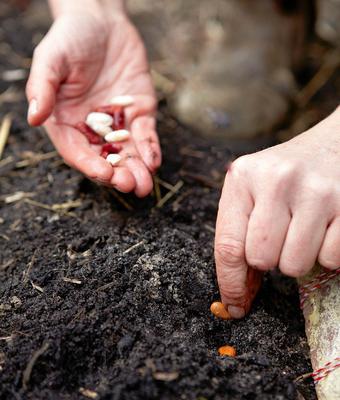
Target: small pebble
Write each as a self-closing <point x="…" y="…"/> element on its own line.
<point x="113" y="159"/>
<point x="125" y="100"/>
<point x="117" y="136"/>
<point x="99" y="118"/>
<point x="218" y="309"/>
<point x="229" y="351"/>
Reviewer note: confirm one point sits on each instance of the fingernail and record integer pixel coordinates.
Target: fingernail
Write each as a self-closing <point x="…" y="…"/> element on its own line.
<point x="33" y="107"/>
<point x="236" y="312"/>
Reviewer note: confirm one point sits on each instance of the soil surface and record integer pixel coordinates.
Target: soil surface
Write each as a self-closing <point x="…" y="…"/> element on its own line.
<point x="104" y="296"/>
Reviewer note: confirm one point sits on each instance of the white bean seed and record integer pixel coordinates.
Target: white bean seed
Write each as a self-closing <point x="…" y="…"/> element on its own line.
<point x="99" y="118"/>
<point x="101" y="129"/>
<point x="123" y="101"/>
<point x="117" y="136"/>
<point x="113" y="159"/>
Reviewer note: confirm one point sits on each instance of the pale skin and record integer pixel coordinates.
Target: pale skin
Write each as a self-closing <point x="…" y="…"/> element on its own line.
<point x="279" y="207"/>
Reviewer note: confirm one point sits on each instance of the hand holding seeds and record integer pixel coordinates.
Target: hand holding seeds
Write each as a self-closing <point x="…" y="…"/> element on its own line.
<point x="279" y="207"/>
<point x="90" y="87"/>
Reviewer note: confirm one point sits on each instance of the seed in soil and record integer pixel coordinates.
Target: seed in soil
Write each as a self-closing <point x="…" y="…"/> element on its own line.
<point x="117" y="136"/>
<point x="218" y="309"/>
<point x="91" y="136"/>
<point x="229" y="351"/>
<point x="113" y="159"/>
<point x="110" y="148"/>
<point x="99" y="118"/>
<point x="125" y="100"/>
<point x="116" y="112"/>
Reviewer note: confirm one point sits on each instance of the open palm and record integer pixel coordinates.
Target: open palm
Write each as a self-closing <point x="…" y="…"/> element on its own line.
<point x="81" y="64"/>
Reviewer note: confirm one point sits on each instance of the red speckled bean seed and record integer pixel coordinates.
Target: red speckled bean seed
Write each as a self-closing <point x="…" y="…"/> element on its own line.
<point x="110" y="109"/>
<point x="117" y="112"/>
<point x="91" y="136"/>
<point x="119" y="119"/>
<point x="110" y="148"/>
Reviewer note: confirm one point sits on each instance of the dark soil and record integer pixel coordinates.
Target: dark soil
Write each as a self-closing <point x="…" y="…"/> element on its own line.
<point x="80" y="308"/>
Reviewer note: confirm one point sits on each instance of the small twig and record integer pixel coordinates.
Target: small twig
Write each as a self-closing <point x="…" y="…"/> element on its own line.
<point x="90" y="394"/>
<point x="27" y="272"/>
<point x="6" y="264"/>
<point x="331" y="63"/>
<point x="203" y="180"/>
<point x="134" y="247"/>
<point x="6" y="161"/>
<point x="166" y="185"/>
<point x="4" y="131"/>
<point x="17" y="196"/>
<point x="170" y="194"/>
<point x="35" y="159"/>
<point x="157" y="189"/>
<point x="209" y="228"/>
<point x="28" y="370"/>
<point x="186" y="151"/>
<point x="121" y="200"/>
<point x="162" y="83"/>
<point x="106" y="286"/>
<point x="58" y="208"/>
<point x="11" y="95"/>
<point x="72" y="280"/>
<point x="6" y="338"/>
<point x="302" y="377"/>
<point x="37" y="287"/>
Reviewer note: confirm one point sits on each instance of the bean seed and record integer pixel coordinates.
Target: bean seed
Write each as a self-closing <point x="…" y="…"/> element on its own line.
<point x="99" y="118"/>
<point x="91" y="136"/>
<point x="117" y="136"/>
<point x="116" y="112"/>
<point x="229" y="351"/>
<point x="101" y="129"/>
<point x="113" y="159"/>
<point x="218" y="309"/>
<point x="110" y="148"/>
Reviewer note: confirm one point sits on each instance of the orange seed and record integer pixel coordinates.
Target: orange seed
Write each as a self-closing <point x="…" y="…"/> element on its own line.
<point x="229" y="351"/>
<point x="218" y="309"/>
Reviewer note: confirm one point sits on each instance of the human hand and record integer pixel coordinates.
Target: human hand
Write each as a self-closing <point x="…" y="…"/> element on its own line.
<point x="83" y="62"/>
<point x="279" y="207"/>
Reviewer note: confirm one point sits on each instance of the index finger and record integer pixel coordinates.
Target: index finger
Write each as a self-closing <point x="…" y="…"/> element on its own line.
<point x="238" y="283"/>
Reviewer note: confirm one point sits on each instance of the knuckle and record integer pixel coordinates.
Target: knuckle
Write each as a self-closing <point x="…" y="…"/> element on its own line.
<point x="229" y="252"/>
<point x="329" y="261"/>
<point x="284" y="173"/>
<point x="293" y="269"/>
<point x="318" y="188"/>
<point x="241" y="165"/>
<point x="260" y="263"/>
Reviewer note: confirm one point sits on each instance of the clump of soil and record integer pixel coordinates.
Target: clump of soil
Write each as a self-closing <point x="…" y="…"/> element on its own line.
<point x="108" y="296"/>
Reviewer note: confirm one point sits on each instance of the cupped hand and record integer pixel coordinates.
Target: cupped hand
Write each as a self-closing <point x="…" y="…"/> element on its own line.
<point x="81" y="64"/>
<point x="279" y="207"/>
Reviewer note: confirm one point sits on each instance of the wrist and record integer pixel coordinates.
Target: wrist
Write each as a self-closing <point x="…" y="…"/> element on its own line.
<point x="101" y="9"/>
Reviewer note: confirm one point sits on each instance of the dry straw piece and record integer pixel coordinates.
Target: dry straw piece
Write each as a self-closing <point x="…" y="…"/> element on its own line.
<point x="4" y="132"/>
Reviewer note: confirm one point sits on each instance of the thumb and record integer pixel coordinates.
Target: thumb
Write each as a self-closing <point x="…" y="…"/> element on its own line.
<point x="43" y="82"/>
